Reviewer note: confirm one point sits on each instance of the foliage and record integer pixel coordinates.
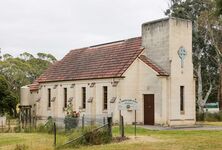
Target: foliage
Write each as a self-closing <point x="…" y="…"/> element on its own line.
<point x="217" y="116"/>
<point x="47" y="127"/>
<point x="7" y="99"/>
<point x="96" y="137"/>
<point x="219" y="7"/>
<point x="20" y="71"/>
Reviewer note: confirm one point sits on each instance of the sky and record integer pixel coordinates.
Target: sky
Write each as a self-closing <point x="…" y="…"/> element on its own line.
<point x="57" y="26"/>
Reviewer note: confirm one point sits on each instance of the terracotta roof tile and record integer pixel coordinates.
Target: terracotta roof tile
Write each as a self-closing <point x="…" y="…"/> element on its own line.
<point x="108" y="60"/>
<point x="34" y="86"/>
<point x="100" y="61"/>
<point x="151" y="64"/>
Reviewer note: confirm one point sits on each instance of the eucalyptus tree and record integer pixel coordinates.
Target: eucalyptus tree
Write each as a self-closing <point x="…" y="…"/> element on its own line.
<point x="22" y="70"/>
<point x="206" y="56"/>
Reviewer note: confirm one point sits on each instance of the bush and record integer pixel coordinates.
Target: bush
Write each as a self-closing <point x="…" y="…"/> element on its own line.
<point x="101" y="136"/>
<point x="71" y="122"/>
<point x="209" y="116"/>
<point x="199" y="116"/>
<point x="47" y="127"/>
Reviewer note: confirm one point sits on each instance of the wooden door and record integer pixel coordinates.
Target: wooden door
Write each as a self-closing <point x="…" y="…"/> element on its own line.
<point x="149" y="109"/>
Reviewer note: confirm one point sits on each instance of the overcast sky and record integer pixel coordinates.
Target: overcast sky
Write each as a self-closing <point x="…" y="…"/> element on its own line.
<point x="56" y="26"/>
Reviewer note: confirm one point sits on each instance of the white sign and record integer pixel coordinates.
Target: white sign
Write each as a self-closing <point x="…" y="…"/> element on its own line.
<point x="127" y="104"/>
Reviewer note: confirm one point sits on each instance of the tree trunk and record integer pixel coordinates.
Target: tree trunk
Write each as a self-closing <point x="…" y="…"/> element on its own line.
<point x="220" y="88"/>
<point x="199" y="88"/>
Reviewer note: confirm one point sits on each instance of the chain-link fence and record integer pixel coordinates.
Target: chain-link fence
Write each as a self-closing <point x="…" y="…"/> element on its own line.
<point x="82" y="130"/>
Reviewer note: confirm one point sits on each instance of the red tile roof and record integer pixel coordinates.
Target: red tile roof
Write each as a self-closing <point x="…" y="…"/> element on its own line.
<point x="108" y="60"/>
<point x="34" y="86"/>
<point x="151" y="64"/>
<point x="101" y="61"/>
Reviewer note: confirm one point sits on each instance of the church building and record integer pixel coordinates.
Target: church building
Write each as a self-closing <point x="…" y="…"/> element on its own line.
<point x="154" y="69"/>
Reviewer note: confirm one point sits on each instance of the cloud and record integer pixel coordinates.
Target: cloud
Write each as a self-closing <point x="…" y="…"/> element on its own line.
<point x="56" y="26"/>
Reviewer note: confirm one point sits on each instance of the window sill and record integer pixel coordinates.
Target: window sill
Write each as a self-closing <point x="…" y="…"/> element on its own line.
<point x="105" y="111"/>
<point x="182" y="112"/>
<point x="82" y="110"/>
<point x="49" y="108"/>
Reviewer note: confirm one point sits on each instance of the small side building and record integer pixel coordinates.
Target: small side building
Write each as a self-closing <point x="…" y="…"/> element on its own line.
<point x="156" y="69"/>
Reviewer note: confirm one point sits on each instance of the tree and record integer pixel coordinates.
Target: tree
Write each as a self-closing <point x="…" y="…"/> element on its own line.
<point x="20" y="71"/>
<point x="26" y="56"/>
<point x="219" y="7"/>
<point x="7" y="99"/>
<point x="47" y="57"/>
<point x="205" y="53"/>
<point x="211" y="21"/>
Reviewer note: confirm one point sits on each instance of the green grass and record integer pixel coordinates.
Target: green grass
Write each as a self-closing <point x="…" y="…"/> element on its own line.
<point x="147" y="140"/>
<point x="210" y="123"/>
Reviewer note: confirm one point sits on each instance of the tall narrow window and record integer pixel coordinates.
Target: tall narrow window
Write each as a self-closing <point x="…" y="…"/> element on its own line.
<point x="49" y="98"/>
<point x="105" y="97"/>
<point x="65" y="97"/>
<point x="182" y="98"/>
<point x="83" y="97"/>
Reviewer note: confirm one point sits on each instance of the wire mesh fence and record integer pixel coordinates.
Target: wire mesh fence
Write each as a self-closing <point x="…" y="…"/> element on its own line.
<point x="80" y="130"/>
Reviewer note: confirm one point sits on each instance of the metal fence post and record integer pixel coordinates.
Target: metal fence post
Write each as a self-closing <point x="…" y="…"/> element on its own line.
<point x="122" y="127"/>
<point x="109" y="120"/>
<point x="54" y="134"/>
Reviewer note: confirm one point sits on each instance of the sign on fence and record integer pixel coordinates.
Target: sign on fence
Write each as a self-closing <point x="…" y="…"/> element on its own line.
<point x="127" y="104"/>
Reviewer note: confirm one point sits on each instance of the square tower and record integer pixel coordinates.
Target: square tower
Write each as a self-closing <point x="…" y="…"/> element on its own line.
<point x="168" y="43"/>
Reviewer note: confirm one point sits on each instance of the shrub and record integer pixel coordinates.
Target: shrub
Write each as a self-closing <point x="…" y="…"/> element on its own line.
<point x="47" y="127"/>
<point x="209" y="116"/>
<point x="72" y="118"/>
<point x="101" y="136"/>
<point x="199" y="116"/>
<point x="70" y="122"/>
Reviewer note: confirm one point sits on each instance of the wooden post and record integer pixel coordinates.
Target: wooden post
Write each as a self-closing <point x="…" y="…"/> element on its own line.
<point x="54" y="134"/>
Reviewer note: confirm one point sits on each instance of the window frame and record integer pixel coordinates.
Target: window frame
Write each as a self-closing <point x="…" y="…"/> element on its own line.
<point x="65" y="90"/>
<point x="105" y="97"/>
<point x="49" y="97"/>
<point x="182" y="97"/>
<point x="84" y="97"/>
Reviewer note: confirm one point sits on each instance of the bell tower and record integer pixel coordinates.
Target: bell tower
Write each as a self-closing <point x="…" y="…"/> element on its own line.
<point x="168" y="43"/>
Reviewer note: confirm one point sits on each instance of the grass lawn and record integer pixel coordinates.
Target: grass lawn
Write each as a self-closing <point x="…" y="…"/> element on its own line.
<point x="147" y="140"/>
<point x="210" y="123"/>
